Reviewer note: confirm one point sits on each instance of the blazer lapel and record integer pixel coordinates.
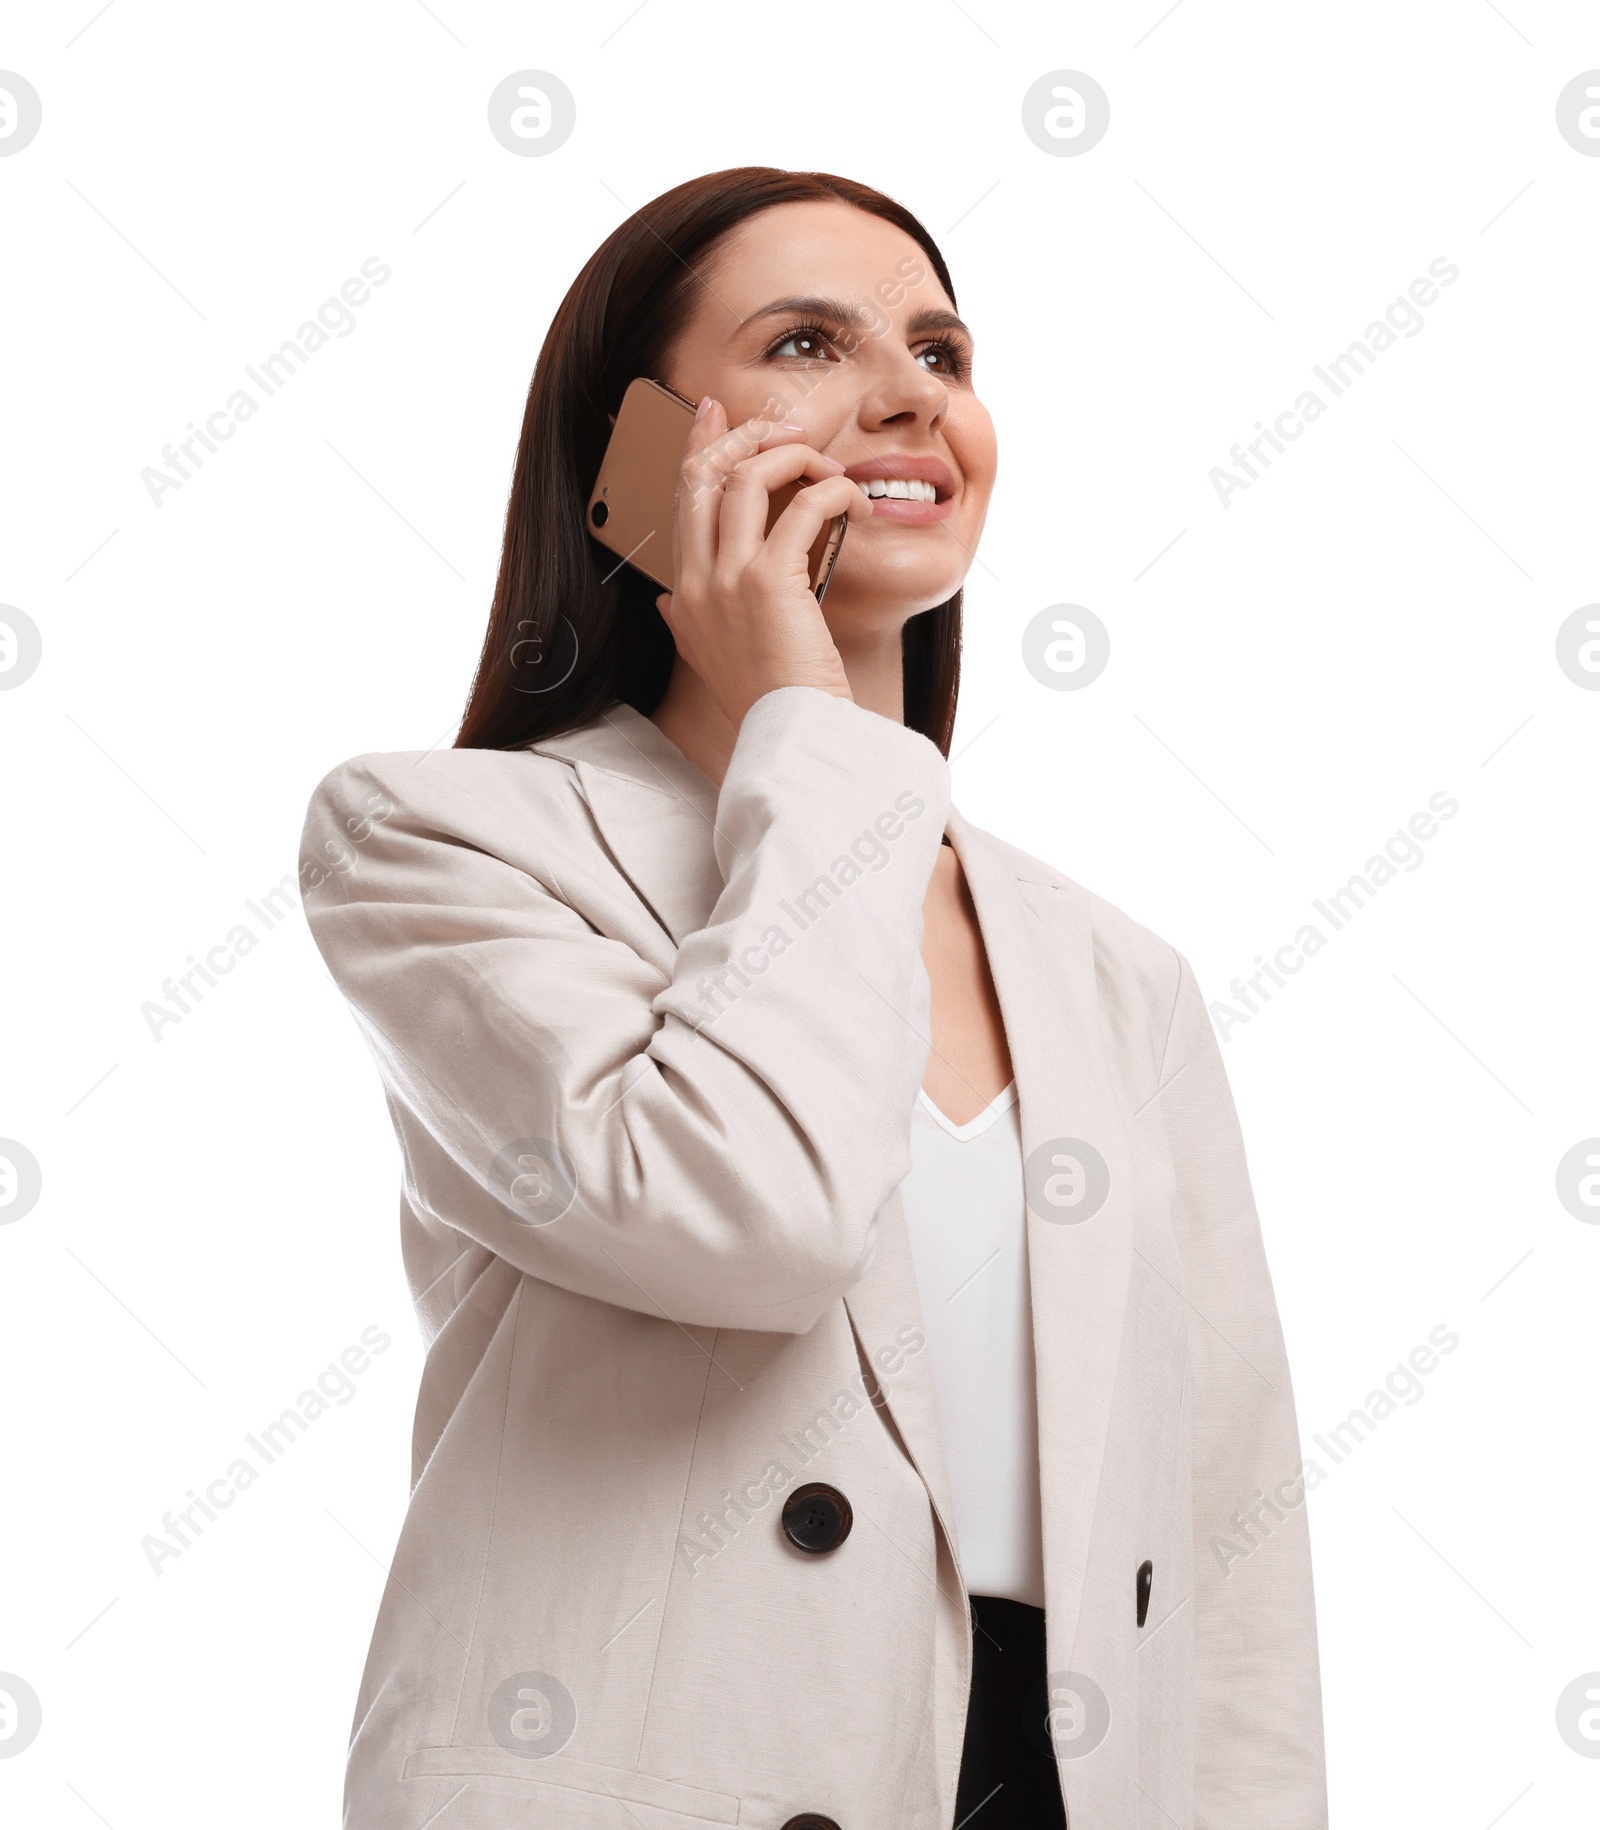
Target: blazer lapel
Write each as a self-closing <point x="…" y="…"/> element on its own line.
<point x="882" y="1303"/>
<point x="1041" y="953"/>
<point x="656" y="812"/>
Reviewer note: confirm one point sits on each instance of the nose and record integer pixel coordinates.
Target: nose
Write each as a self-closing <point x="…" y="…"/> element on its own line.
<point x="901" y="394"/>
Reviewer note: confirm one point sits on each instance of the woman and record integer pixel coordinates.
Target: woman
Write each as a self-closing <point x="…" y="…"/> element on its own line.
<point x="854" y="1392"/>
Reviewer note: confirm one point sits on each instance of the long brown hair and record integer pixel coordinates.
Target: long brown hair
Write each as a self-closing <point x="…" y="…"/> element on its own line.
<point x="565" y="641"/>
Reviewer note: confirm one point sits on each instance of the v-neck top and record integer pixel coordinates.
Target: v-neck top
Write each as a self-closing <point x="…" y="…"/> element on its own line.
<point x="965" y="1218"/>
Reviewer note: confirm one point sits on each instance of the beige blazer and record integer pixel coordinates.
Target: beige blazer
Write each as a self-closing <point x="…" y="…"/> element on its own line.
<point x="651" y="1052"/>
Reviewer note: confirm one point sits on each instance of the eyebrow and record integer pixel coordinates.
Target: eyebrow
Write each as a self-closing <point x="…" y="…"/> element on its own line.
<point x="839" y="311"/>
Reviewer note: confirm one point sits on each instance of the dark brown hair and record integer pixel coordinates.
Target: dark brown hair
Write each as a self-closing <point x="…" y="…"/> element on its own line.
<point x="565" y="641"/>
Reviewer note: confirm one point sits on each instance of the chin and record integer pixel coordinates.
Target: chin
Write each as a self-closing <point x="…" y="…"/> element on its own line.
<point x="911" y="586"/>
<point x="867" y="609"/>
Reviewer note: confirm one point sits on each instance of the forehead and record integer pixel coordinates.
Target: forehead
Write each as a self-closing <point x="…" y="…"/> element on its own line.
<point x="817" y="248"/>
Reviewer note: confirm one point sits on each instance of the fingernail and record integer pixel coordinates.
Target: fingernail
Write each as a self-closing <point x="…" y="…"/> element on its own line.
<point x="704" y="407"/>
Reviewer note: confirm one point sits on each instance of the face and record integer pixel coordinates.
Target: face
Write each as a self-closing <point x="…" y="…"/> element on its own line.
<point x="823" y="315"/>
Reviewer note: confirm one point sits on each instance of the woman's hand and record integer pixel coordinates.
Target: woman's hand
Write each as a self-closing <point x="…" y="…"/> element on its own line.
<point x="743" y="614"/>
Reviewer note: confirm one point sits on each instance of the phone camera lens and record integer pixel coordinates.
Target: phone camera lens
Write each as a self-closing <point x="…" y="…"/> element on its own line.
<point x="599" y="514"/>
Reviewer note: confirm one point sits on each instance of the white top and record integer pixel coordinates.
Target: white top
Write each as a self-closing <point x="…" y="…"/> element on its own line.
<point x="965" y="1216"/>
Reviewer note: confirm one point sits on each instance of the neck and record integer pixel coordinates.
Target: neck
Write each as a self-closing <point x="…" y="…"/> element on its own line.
<point x="689" y="717"/>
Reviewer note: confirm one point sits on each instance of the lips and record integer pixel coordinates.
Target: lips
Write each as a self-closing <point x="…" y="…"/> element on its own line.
<point x="906" y="467"/>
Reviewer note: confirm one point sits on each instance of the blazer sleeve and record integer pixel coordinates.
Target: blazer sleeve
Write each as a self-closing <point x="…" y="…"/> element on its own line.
<point x="1258" y="1698"/>
<point x="711" y="1144"/>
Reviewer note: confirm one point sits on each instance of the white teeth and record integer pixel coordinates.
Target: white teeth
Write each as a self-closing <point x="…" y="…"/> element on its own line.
<point x="898" y="491"/>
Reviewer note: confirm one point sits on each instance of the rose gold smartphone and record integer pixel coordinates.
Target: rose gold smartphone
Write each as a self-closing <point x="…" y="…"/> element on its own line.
<point x="630" y="509"/>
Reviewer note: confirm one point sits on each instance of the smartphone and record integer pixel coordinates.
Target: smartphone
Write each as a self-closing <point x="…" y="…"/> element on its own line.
<point x="631" y="506"/>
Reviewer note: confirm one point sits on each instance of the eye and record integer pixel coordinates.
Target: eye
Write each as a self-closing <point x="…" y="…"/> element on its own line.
<point x="803" y="343"/>
<point x="951" y="360"/>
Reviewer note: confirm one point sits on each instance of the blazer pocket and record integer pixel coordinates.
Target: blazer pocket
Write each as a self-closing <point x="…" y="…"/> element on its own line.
<point x="576" y="1776"/>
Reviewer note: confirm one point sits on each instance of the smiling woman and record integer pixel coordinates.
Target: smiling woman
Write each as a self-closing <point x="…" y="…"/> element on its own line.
<point x="735" y="1074"/>
<point x="568" y="636"/>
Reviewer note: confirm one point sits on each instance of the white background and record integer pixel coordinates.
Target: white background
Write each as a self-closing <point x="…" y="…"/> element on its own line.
<point x="1371" y="622"/>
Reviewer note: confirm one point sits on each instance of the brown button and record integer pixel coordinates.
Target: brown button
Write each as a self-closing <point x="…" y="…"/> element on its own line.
<point x="817" y="1519"/>
<point x="810" y="1820"/>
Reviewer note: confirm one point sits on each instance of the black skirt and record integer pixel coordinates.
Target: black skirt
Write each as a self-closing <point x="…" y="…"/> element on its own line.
<point x="1008" y="1773"/>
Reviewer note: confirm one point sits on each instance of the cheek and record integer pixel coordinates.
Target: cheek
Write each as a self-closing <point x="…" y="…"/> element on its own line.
<point x="814" y="401"/>
<point x="971" y="437"/>
<point x="756" y="397"/>
<point x="743" y="393"/>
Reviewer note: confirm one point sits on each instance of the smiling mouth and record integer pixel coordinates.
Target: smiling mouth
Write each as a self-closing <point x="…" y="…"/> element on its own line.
<point x="897" y="490"/>
<point x="906" y="488"/>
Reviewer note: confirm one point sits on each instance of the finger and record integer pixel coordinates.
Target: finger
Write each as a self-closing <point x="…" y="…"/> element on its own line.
<point x="745" y="495"/>
<point x="795" y="531"/>
<point x="694" y="521"/>
<point x="710" y="459"/>
<point x="713" y="452"/>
